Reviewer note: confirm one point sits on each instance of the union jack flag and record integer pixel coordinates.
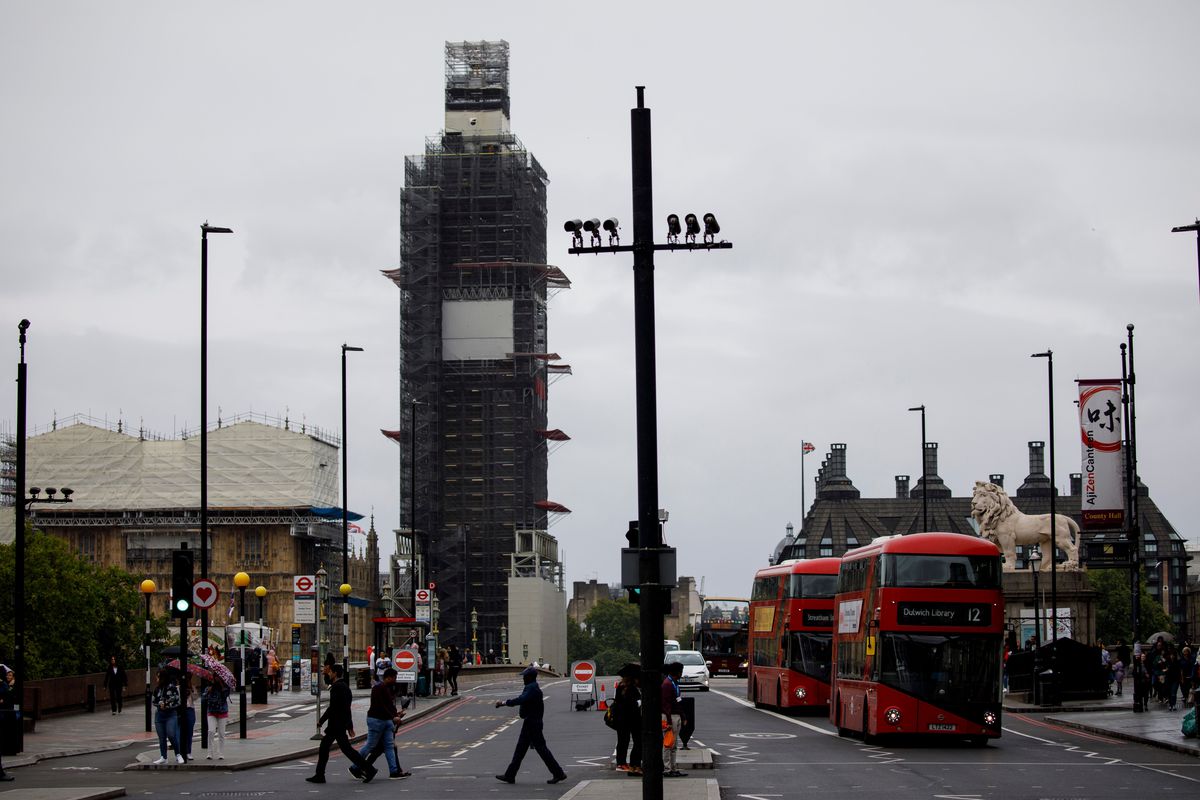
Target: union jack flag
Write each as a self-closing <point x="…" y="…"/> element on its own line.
<point x="807" y="447"/>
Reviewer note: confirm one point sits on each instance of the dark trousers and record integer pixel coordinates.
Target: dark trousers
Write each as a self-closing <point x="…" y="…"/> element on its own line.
<point x="452" y="679"/>
<point x="116" y="698"/>
<point x="531" y="736"/>
<point x="343" y="742"/>
<point x="623" y="740"/>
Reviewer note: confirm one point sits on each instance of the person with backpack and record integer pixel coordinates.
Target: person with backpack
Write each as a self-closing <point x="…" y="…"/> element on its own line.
<point x="627" y="720"/>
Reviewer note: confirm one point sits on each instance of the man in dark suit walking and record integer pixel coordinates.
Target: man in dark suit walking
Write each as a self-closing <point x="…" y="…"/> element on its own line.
<point x="115" y="682"/>
<point x="532" y="710"/>
<point x="339" y="726"/>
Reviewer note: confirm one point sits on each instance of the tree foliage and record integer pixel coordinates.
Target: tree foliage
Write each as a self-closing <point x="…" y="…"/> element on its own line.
<point x="76" y="614"/>
<point x="1113" y="607"/>
<point x="609" y="635"/>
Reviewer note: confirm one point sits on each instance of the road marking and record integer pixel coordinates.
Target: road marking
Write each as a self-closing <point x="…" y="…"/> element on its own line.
<point x="748" y="704"/>
<point x="762" y="735"/>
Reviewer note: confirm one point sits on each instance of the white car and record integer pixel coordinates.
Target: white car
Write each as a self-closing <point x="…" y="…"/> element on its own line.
<point x="695" y="668"/>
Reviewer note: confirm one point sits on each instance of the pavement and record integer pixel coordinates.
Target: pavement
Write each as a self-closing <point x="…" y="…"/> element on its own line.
<point x="292" y="737"/>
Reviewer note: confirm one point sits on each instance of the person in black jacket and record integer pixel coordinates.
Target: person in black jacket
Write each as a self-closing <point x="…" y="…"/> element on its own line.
<point x="532" y="710"/>
<point x="339" y="726"/>
<point x="7" y="698"/>
<point x="115" y="682"/>
<point x="628" y="716"/>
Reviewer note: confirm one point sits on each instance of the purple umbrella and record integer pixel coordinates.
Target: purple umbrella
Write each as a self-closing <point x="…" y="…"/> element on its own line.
<point x="220" y="670"/>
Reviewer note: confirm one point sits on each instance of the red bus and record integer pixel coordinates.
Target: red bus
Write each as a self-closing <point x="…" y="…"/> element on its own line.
<point x="918" y="638"/>
<point x="721" y="635"/>
<point x="791" y="634"/>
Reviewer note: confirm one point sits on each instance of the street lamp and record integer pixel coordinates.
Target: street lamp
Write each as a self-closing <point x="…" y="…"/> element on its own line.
<point x="391" y="608"/>
<point x="261" y="593"/>
<point x="924" y="473"/>
<point x="1034" y="558"/>
<point x="474" y="636"/>
<point x="241" y="581"/>
<point x="1193" y="227"/>
<point x="148" y="588"/>
<point x="345" y="590"/>
<point x="1049" y="356"/>
<point x="654" y="563"/>
<point x="412" y="503"/>
<point x="503" y="643"/>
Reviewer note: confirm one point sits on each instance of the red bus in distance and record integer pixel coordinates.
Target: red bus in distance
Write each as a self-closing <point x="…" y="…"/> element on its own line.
<point x="791" y="634"/>
<point x="918" y="636"/>
<point x="721" y="635"/>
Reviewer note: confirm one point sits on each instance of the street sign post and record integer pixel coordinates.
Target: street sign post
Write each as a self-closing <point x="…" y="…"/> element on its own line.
<point x="304" y="599"/>
<point x="583" y="682"/>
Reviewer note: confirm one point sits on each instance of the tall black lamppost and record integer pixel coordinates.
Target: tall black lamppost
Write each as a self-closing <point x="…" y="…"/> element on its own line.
<point x="924" y="473"/>
<point x="650" y="565"/>
<point x="241" y="581"/>
<point x="148" y="588"/>
<point x="205" y="230"/>
<point x="345" y="511"/>
<point x="1035" y="562"/>
<point x="412" y="505"/>
<point x="1193" y="227"/>
<point x="1049" y="356"/>
<point x="19" y="546"/>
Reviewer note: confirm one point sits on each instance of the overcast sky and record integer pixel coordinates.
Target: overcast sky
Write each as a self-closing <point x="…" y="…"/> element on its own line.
<point x="920" y="195"/>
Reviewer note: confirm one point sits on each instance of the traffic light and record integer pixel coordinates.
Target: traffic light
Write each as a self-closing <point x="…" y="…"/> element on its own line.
<point x="181" y="583"/>
<point x="631" y="588"/>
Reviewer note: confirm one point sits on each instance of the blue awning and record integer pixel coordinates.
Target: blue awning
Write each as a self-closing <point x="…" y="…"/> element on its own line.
<point x="335" y="512"/>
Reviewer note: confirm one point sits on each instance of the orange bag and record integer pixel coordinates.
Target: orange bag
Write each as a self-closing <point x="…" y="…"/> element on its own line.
<point x="668" y="735"/>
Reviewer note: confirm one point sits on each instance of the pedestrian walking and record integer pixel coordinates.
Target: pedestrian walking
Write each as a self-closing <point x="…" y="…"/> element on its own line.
<point x="216" y="703"/>
<point x="627" y="715"/>
<point x="1118" y="670"/>
<point x="383" y="718"/>
<point x="7" y="701"/>
<point x="166" y="714"/>
<point x="272" y="671"/>
<point x="672" y="717"/>
<point x="453" y="668"/>
<point x="1141" y="683"/>
<point x="1171" y="677"/>
<point x="532" y="711"/>
<point x="115" y="682"/>
<point x="339" y="726"/>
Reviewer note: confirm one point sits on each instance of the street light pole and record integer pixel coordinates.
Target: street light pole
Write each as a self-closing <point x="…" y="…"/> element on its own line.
<point x="322" y="598"/>
<point x="205" y="230"/>
<point x="241" y="581"/>
<point x="1193" y="227"/>
<point x="924" y="473"/>
<point x="1049" y="356"/>
<point x="148" y="589"/>
<point x="1035" y="561"/>
<point x="345" y="509"/>
<point x="345" y="590"/>
<point x="19" y="547"/>
<point x="412" y="505"/>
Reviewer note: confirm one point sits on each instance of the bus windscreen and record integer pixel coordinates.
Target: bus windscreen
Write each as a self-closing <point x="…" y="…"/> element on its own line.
<point x="958" y="572"/>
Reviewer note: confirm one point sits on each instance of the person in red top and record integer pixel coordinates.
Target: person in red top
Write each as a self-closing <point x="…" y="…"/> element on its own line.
<point x="671" y="715"/>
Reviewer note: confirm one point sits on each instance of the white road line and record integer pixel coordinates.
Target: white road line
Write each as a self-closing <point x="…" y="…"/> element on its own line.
<point x="802" y="724"/>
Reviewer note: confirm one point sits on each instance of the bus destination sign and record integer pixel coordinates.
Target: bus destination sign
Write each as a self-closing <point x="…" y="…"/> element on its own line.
<point x="945" y="614"/>
<point x="818" y="619"/>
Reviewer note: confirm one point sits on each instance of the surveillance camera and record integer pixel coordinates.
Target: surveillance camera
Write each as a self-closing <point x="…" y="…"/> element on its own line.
<point x="474" y="120"/>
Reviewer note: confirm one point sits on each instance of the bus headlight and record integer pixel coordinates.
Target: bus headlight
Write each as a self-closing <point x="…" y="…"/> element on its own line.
<point x="892" y="715"/>
<point x="989" y="718"/>
<point x="801" y="693"/>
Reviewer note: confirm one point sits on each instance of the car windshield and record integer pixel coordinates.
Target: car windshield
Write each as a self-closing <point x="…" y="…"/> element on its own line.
<point x="687" y="659"/>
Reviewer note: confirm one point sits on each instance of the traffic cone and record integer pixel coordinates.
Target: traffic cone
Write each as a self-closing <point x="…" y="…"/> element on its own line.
<point x="603" y="700"/>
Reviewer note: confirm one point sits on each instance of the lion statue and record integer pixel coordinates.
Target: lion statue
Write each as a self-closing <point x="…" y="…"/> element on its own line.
<point x="1007" y="526"/>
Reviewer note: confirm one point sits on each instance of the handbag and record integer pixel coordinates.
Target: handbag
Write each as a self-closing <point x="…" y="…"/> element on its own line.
<point x="610" y="719"/>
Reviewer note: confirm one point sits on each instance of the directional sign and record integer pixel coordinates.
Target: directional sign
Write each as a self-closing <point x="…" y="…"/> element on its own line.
<point x="204" y="593"/>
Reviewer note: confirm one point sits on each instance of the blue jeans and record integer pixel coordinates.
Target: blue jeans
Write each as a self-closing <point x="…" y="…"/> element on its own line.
<point x="166" y="723"/>
<point x="381" y="735"/>
<point x="188" y="731"/>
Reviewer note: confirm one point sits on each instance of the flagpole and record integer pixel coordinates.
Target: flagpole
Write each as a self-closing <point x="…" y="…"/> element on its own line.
<point x="803" y="506"/>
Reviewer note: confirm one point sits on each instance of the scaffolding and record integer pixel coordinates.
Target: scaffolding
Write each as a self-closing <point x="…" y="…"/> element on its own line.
<point x="472" y="454"/>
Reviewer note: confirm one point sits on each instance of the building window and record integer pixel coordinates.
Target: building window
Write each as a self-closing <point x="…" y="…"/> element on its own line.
<point x="826" y="552"/>
<point x="251" y="549"/>
<point x="86" y="545"/>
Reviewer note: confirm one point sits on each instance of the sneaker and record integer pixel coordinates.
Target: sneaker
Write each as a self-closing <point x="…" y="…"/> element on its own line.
<point x="622" y="768"/>
<point x="160" y="761"/>
<point x="397" y="775"/>
<point x="6" y="777"/>
<point x="179" y="759"/>
<point x="634" y="772"/>
<point x="674" y="774"/>
<point x="356" y="772"/>
<point x="369" y="776"/>
<point x="506" y="779"/>
<point x="558" y="778"/>
<point x="315" y="779"/>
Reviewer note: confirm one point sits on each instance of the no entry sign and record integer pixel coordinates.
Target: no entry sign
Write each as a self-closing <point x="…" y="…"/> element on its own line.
<point x="406" y="665"/>
<point x="583" y="677"/>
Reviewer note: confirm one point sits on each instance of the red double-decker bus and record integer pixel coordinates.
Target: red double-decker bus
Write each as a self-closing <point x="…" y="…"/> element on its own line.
<point x="918" y="637"/>
<point x="791" y="634"/>
<point x="721" y="634"/>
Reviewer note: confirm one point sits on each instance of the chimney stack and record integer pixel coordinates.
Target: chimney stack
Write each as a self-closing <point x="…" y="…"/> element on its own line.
<point x="834" y="484"/>
<point x="936" y="486"/>
<point x="997" y="478"/>
<point x="901" y="487"/>
<point x="1036" y="484"/>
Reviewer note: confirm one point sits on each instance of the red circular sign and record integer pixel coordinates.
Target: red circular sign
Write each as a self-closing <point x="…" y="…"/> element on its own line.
<point x="303" y="583"/>
<point x="405" y="660"/>
<point x="584" y="672"/>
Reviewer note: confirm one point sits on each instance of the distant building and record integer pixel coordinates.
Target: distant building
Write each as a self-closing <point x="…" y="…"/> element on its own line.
<point x="475" y="366"/>
<point x="841" y="519"/>
<point x="273" y="513"/>
<point x="684" y="611"/>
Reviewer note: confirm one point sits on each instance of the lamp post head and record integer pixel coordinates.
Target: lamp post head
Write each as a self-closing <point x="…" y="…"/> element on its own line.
<point x="207" y="229"/>
<point x="346" y="348"/>
<point x="920" y="408"/>
<point x="1048" y="354"/>
<point x="148" y="587"/>
<point x="260" y="592"/>
<point x="241" y="580"/>
<point x="1035" y="557"/>
<point x="345" y="589"/>
<point x="23" y="326"/>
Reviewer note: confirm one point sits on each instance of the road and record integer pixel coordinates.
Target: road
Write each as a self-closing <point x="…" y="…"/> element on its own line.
<point x="760" y="754"/>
